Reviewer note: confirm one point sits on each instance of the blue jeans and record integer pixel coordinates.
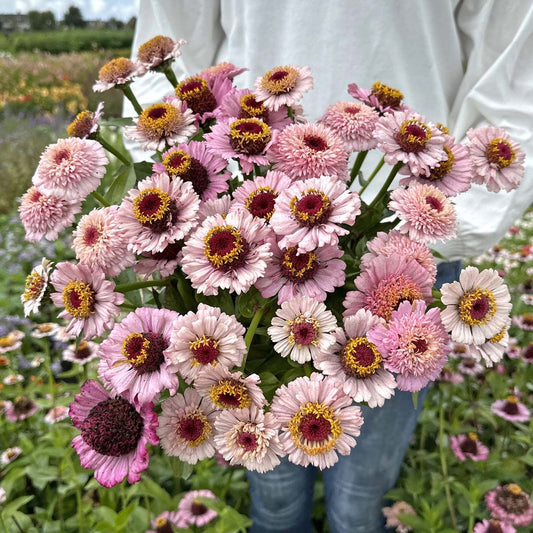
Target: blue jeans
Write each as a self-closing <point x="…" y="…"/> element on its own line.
<point x="354" y="487"/>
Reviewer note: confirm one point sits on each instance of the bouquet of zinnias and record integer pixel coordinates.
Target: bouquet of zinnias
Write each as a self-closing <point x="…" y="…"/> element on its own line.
<point x="266" y="301"/>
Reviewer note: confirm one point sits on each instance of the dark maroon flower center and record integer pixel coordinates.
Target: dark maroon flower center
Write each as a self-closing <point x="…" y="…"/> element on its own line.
<point x="304" y="333"/>
<point x="113" y="427"/>
<point x="61" y="156"/>
<point x="205" y="351"/>
<point x="528" y="352"/>
<point x="314" y="428"/>
<point x="226" y="249"/>
<point x="83" y="351"/>
<point x="494" y="527"/>
<point x="469" y="446"/>
<point x="197" y="175"/>
<point x="197" y="94"/>
<point x="248" y="127"/>
<point x="229" y="399"/>
<point x="511" y="408"/>
<point x="262" y="204"/>
<point x="312" y="209"/>
<point x="278" y="75"/>
<point x="145" y="351"/>
<point x="164" y="527"/>
<point x="512" y="500"/>
<point x="91" y="235"/>
<point x="434" y="203"/>
<point x="249" y="136"/>
<point x="413" y="136"/>
<point x="157" y="112"/>
<point x="351" y="110"/>
<point x="469" y="362"/>
<point x="420" y="346"/>
<point x="247" y="441"/>
<point x="364" y="355"/>
<point x="480" y="307"/>
<point x="22" y="405"/>
<point x="316" y="143"/>
<point x="298" y="268"/>
<point x="169" y="253"/>
<point x="190" y="429"/>
<point x="198" y="508"/>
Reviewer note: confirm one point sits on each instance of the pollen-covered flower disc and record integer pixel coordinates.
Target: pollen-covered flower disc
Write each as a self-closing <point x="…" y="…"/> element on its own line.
<point x="35" y="287"/>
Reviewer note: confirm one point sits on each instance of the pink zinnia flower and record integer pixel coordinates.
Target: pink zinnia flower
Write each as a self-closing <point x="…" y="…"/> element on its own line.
<point x="452" y="175"/>
<point x="220" y="206"/>
<point x="100" y="242"/>
<point x="13" y="379"/>
<point x="427" y="214"/>
<point x="186" y="427"/>
<point x="192" y="512"/>
<point x="204" y="339"/>
<point x="258" y="196"/>
<point x="85" y="125"/>
<point x="159" y="212"/>
<point x="35" y="287"/>
<point x="493" y="526"/>
<point x="414" y="344"/>
<point x="381" y="97"/>
<point x="309" y="150"/>
<point x="227" y="253"/>
<point x="309" y="213"/>
<point x="290" y="274"/>
<point x="245" y="140"/>
<point x="114" y="434"/>
<point x="385" y="283"/>
<point x="513" y="349"/>
<point x="194" y="163"/>
<point x="21" y="408"/>
<point x="392" y="514"/>
<point x="249" y="437"/>
<point x="451" y="377"/>
<point x="302" y="329"/>
<point x="159" y="50"/>
<point x="469" y="447"/>
<point x="469" y="366"/>
<point x="353" y="123"/>
<point x="405" y="137"/>
<point x="164" y="262"/>
<point x="161" y="523"/>
<point x="81" y="353"/>
<point x="118" y="71"/>
<point x="498" y="161"/>
<point x="394" y="244"/>
<point x="10" y="455"/>
<point x="357" y="363"/>
<point x="524" y="321"/>
<point x="132" y="358"/>
<point x="162" y="124"/>
<point x="511" y="409"/>
<point x="56" y="414"/>
<point x="45" y="329"/>
<point x="510" y="504"/>
<point x="88" y="298"/>
<point x="71" y="168"/>
<point x="527" y="354"/>
<point x="44" y="215"/>
<point x="222" y="69"/>
<point x="283" y="86"/>
<point x="318" y="420"/>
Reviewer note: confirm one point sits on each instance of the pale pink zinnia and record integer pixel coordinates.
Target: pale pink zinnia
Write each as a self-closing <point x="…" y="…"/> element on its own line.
<point x="162" y="522"/>
<point x="90" y="301"/>
<point x="427" y="214"/>
<point x="71" y="168"/>
<point x="157" y="51"/>
<point x="405" y="137"/>
<point x="309" y="150"/>
<point x="249" y="437"/>
<point x="35" y="287"/>
<point x="414" y="344"/>
<point x="469" y="367"/>
<point x="114" y="434"/>
<point x="100" y="242"/>
<point x="468" y="447"/>
<point x="392" y="514"/>
<point x="354" y="123"/>
<point x="21" y="408"/>
<point x="132" y="358"/>
<point x="309" y="213"/>
<point x="357" y="363"/>
<point x="497" y="160"/>
<point x="511" y="409"/>
<point x="44" y="215"/>
<point x="160" y="211"/>
<point x="119" y="71"/>
<point x="510" y="504"/>
<point x="227" y="253"/>
<point x="223" y="69"/>
<point x="381" y="97"/>
<point x="186" y="427"/>
<point x="206" y="338"/>
<point x="10" y="455"/>
<point x="218" y="206"/>
<point x="317" y="420"/>
<point x="56" y="414"/>
<point x="81" y="353"/>
<point x="493" y="526"/>
<point x="192" y="512"/>
<point x="283" y="86"/>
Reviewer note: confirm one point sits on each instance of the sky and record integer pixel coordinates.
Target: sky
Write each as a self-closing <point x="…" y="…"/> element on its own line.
<point x="91" y="9"/>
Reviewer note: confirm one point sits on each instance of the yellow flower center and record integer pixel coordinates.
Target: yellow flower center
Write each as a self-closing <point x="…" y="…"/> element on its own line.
<point x="500" y="152"/>
<point x="413" y="136"/>
<point x="230" y="394"/>
<point x="151" y="205"/>
<point x="225" y="247"/>
<point x="311" y="209"/>
<point x="160" y="120"/>
<point x="280" y="80"/>
<point x="155" y="50"/>
<point x="477" y="307"/>
<point x="360" y="358"/>
<point x="513" y="488"/>
<point x="249" y="135"/>
<point x="472" y="436"/>
<point x="161" y="522"/>
<point x="78" y="298"/>
<point x="387" y="96"/>
<point x="81" y="126"/>
<point x="499" y="336"/>
<point x="250" y="107"/>
<point x="135" y="348"/>
<point x="177" y="163"/>
<point x="7" y="340"/>
<point x="438" y="173"/>
<point x="33" y="286"/>
<point x="512" y="399"/>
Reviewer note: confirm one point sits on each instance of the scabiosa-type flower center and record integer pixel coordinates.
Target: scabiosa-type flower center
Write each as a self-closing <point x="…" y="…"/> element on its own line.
<point x="513" y="499"/>
<point x="477" y="307"/>
<point x="438" y="173"/>
<point x="390" y="293"/>
<point x="434" y="203"/>
<point x="81" y="126"/>
<point x="249" y="136"/>
<point x="155" y="50"/>
<point x="198" y="508"/>
<point x="22" y="405"/>
<point x="418" y="346"/>
<point x="144" y="351"/>
<point x="303" y="330"/>
<point x="193" y="428"/>
<point x="78" y="298"/>
<point x="160" y="120"/>
<point x="251" y="108"/>
<point x="247" y="441"/>
<point x="387" y="96"/>
<point x="154" y="209"/>
<point x="117" y="69"/>
<point x="83" y="351"/>
<point x="205" y="350"/>
<point x="91" y="235"/>
<point x="261" y="202"/>
<point x="360" y="358"/>
<point x="351" y="109"/>
<point x="196" y="93"/>
<point x="511" y="405"/>
<point x="315" y="143"/>
<point x="298" y="268"/>
<point x="315" y="428"/>
<point x="180" y="163"/>
<point x="226" y="248"/>
<point x="229" y="393"/>
<point x="113" y="427"/>
<point x="33" y="286"/>
<point x="311" y="209"/>
<point x="61" y="156"/>
<point x="162" y="525"/>
<point x="413" y="136"/>
<point x="280" y="80"/>
<point x="500" y="152"/>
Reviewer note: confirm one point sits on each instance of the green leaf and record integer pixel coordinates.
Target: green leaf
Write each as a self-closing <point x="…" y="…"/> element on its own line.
<point x="124" y="181"/>
<point x="142" y="170"/>
<point x="122" y="518"/>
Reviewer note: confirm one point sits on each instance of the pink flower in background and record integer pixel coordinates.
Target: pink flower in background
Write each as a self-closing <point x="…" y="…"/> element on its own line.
<point x="451" y="377"/>
<point x="527" y="354"/>
<point x="524" y="321"/>
<point x="493" y="526"/>
<point x="44" y="215"/>
<point x="510" y="504"/>
<point x="381" y="97"/>
<point x="164" y="521"/>
<point x="469" y="367"/>
<point x="118" y="71"/>
<point x="220" y="206"/>
<point x="192" y="512"/>
<point x="9" y="455"/>
<point x="497" y="160"/>
<point x="511" y="409"/>
<point x="114" y="434"/>
<point x="469" y="447"/>
<point x="392" y="514"/>
<point x="81" y="353"/>
<point x="56" y="414"/>
<point x="20" y="408"/>
<point x="223" y="69"/>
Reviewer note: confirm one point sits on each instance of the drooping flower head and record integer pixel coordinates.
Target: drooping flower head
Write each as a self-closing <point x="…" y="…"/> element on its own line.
<point x="469" y="447"/>
<point x="118" y="71"/>
<point x="71" y="168"/>
<point x="492" y="350"/>
<point x="381" y="97"/>
<point x="157" y="51"/>
<point x="511" y="409"/>
<point x="132" y="358"/>
<point x="414" y="344"/>
<point x="85" y="125"/>
<point x="309" y="150"/>
<point x="114" y="434"/>
<point x="283" y="86"/>
<point x="317" y="420"/>
<point x="192" y="512"/>
<point x="309" y="213"/>
<point x="510" y="504"/>
<point x="497" y="160"/>
<point x="89" y="300"/>
<point x="357" y="363"/>
<point x="35" y="287"/>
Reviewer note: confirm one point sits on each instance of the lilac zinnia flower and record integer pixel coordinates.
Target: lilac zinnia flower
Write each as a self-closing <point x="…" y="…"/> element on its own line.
<point x="163" y="522"/>
<point x="192" y="512"/>
<point x="493" y="526"/>
<point x="10" y="455"/>
<point x="511" y="409"/>
<point x="81" y="353"/>
<point x="469" y="447"/>
<point x="21" y="408"/>
<point x="510" y="504"/>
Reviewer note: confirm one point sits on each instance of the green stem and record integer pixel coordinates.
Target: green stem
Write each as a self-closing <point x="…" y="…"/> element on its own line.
<point x="357" y="165"/>
<point x="81" y="519"/>
<point x="373" y="175"/>
<point x="251" y="332"/>
<point x="227" y="485"/>
<point x="51" y="380"/>
<point x="127" y="287"/>
<point x="171" y="77"/>
<point x="100" y="198"/>
<point x="128" y="93"/>
<point x="444" y="469"/>
<point x="186" y="292"/>
<point x="113" y="150"/>
<point x="386" y="185"/>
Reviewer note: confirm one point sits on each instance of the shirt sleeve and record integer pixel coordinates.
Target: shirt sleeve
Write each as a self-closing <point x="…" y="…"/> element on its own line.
<point x="497" y="89"/>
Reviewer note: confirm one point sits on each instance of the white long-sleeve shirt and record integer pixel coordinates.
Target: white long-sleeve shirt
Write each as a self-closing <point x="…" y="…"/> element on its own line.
<point x="462" y="63"/>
